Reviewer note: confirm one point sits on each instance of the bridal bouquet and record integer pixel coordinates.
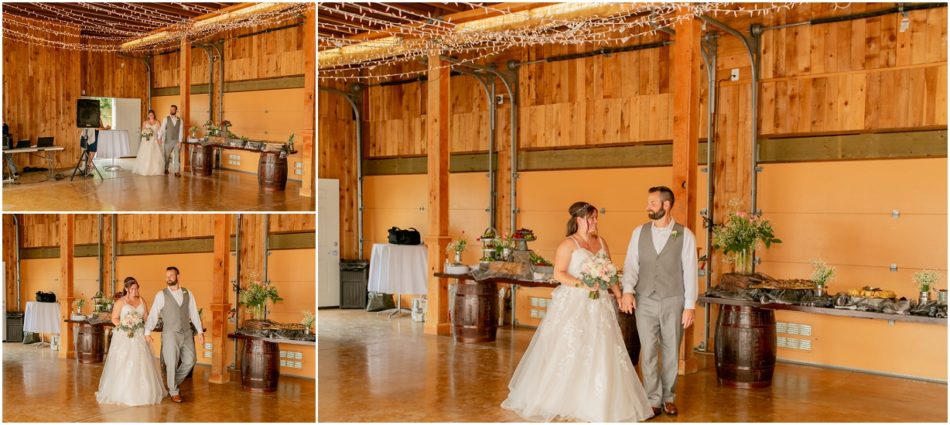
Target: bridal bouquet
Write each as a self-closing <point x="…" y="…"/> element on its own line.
<point x="599" y="272"/>
<point x="131" y="322"/>
<point x="147" y="133"/>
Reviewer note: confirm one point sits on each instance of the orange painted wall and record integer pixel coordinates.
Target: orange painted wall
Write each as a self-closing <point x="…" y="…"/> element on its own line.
<point x="291" y="271"/>
<point x="266" y="115"/>
<point x="839" y="211"/>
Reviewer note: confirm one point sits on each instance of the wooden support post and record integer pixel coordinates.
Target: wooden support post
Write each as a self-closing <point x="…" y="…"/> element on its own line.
<point x="66" y="239"/>
<point x="437" y="135"/>
<point x="107" y="250"/>
<point x="306" y="145"/>
<point x="9" y="260"/>
<point x="184" y="107"/>
<point x="685" y="90"/>
<point x="220" y="287"/>
<point x="251" y="249"/>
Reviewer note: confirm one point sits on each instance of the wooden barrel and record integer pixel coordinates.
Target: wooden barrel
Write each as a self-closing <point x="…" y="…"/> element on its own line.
<point x="475" y="316"/>
<point x="745" y="346"/>
<point x="631" y="338"/>
<point x="89" y="343"/>
<point x="272" y="172"/>
<point x="260" y="366"/>
<point x="202" y="160"/>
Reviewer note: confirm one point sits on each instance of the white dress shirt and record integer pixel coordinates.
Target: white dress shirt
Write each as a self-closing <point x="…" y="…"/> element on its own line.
<point x="631" y="265"/>
<point x="161" y="128"/>
<point x="159" y="302"/>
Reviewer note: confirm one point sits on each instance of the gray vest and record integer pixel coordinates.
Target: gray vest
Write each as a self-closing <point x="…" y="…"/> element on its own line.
<point x="171" y="130"/>
<point x="175" y="318"/>
<point x="660" y="273"/>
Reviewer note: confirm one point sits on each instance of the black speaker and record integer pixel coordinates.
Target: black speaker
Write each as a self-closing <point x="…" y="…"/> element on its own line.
<point x="87" y="113"/>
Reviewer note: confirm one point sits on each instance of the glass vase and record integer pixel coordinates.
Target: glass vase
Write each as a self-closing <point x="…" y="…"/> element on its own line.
<point x="744" y="261"/>
<point x="458" y="257"/>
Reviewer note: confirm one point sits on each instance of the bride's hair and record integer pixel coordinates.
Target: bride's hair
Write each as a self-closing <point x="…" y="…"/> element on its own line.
<point x="578" y="210"/>
<point x="129" y="281"/>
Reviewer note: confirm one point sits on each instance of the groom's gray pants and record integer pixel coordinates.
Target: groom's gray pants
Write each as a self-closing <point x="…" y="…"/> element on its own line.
<point x="177" y="346"/>
<point x="170" y="149"/>
<point x="659" y="322"/>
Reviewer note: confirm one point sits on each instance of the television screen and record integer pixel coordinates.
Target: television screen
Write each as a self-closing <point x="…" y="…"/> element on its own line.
<point x="87" y="113"/>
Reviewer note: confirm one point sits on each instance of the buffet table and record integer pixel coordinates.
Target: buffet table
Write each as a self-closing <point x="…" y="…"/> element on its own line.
<point x="826" y="311"/>
<point x="260" y="364"/>
<point x="271" y="167"/>
<point x="91" y="342"/>
<point x="746" y="339"/>
<point x="475" y="317"/>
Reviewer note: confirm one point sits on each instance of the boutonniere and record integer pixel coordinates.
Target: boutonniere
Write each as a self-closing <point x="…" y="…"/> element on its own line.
<point x="185" y="291"/>
<point x="675" y="233"/>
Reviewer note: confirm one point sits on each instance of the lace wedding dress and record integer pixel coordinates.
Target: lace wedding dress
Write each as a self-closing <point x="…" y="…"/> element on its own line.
<point x="130" y="375"/>
<point x="150" y="160"/>
<point x="576" y="366"/>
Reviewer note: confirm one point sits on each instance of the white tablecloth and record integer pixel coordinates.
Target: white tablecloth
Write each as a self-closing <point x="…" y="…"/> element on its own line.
<point x="113" y="144"/>
<point x="398" y="269"/>
<point x="41" y="318"/>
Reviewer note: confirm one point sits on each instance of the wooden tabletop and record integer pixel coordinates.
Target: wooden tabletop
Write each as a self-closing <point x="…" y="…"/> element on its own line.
<point x="227" y="146"/>
<point x="826" y="311"/>
<point x="274" y="340"/>
<point x="519" y="282"/>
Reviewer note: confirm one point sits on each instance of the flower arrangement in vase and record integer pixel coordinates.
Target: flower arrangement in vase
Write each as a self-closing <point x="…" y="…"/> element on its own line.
<point x="925" y="280"/>
<point x="256" y="295"/>
<point x="740" y="234"/>
<point x="308" y="320"/>
<point x="821" y="275"/>
<point x="456" y="247"/>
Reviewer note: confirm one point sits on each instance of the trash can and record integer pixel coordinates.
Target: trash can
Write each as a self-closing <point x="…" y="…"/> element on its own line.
<point x="354" y="279"/>
<point x="14" y="331"/>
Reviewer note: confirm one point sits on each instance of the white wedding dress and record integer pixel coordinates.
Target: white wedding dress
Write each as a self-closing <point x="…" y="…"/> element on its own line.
<point x="150" y="160"/>
<point x="130" y="375"/>
<point x="576" y="366"/>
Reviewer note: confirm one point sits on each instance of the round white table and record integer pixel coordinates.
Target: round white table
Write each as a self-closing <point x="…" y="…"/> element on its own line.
<point x="398" y="269"/>
<point x="113" y="144"/>
<point x="41" y="318"/>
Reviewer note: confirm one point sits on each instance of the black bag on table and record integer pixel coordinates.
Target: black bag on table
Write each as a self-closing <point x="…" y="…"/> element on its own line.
<point x="408" y="236"/>
<point x="45" y="297"/>
<point x="379" y="301"/>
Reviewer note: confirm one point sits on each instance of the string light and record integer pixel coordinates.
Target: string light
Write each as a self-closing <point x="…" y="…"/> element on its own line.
<point x="63" y="32"/>
<point x="411" y="42"/>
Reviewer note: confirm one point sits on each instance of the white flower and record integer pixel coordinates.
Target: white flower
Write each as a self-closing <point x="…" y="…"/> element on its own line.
<point x="675" y="233"/>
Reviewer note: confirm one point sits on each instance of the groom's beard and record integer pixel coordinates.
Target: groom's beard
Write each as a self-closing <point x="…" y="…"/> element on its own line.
<point x="656" y="215"/>
<point x="171" y="283"/>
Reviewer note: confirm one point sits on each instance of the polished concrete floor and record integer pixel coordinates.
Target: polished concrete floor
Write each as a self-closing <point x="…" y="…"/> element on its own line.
<point x="39" y="387"/>
<point x="123" y="191"/>
<point x="376" y="370"/>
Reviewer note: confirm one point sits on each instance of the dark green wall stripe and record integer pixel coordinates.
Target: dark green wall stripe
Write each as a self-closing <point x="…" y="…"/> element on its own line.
<point x="281" y="241"/>
<point x="897" y="145"/>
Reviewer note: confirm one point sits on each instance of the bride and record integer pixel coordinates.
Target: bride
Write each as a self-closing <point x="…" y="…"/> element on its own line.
<point x="130" y="375"/>
<point x="576" y="366"/>
<point x="150" y="160"/>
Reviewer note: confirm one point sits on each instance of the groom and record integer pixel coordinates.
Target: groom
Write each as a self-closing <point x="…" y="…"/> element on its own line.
<point x="177" y="308"/>
<point x="169" y="134"/>
<point x="659" y="282"/>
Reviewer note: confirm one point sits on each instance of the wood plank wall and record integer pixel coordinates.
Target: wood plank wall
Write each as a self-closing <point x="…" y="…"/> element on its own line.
<point x="336" y="148"/>
<point x="40" y="88"/>
<point x="840" y="78"/>
<point x="267" y="55"/>
<point x="40" y="230"/>
<point x="856" y="76"/>
<point x="41" y="84"/>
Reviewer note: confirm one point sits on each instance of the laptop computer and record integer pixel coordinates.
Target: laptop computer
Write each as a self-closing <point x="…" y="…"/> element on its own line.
<point x="25" y="143"/>
<point x="44" y="142"/>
